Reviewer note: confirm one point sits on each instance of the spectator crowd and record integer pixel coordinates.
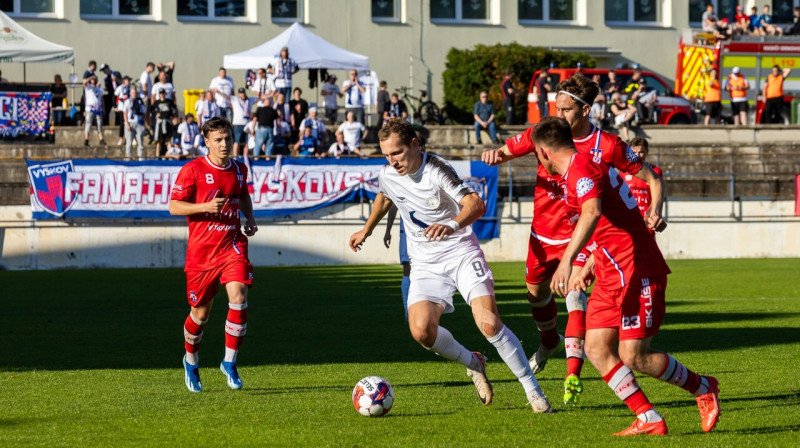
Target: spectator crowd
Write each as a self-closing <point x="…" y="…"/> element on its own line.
<point x="269" y="116"/>
<point x="753" y="24"/>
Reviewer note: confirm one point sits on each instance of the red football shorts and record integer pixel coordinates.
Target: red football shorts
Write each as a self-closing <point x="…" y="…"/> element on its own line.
<point x="542" y="260"/>
<point x="202" y="286"/>
<point x="637" y="309"/>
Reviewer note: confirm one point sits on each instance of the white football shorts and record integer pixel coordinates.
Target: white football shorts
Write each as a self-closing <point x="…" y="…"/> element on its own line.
<point x="436" y="282"/>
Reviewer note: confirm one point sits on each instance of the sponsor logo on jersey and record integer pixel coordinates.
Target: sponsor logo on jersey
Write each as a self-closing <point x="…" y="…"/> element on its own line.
<point x="401" y="199"/>
<point x="222" y="228"/>
<point x="48" y="182"/>
<point x="583" y="186"/>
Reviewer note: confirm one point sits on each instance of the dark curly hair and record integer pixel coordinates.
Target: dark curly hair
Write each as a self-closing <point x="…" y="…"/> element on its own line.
<point x="580" y="86"/>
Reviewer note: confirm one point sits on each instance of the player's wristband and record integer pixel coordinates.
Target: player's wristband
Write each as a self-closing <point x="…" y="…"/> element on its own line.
<point x="453" y="224"/>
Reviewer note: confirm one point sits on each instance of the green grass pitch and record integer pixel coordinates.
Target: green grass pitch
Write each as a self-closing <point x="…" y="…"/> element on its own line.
<point x="93" y="358"/>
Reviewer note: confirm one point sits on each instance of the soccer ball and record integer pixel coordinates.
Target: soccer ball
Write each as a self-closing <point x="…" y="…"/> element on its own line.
<point x="373" y="396"/>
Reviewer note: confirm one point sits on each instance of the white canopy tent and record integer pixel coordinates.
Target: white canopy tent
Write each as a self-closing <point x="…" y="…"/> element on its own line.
<point x="305" y="47"/>
<point x="20" y="45"/>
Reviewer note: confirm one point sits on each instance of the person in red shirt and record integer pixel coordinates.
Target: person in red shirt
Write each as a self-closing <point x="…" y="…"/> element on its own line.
<point x="627" y="306"/>
<point x="552" y="227"/>
<point x="211" y="191"/>
<point x="742" y="22"/>
<point x="639" y="189"/>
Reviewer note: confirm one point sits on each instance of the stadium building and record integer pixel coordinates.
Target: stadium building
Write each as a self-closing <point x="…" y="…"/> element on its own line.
<point x="126" y="34"/>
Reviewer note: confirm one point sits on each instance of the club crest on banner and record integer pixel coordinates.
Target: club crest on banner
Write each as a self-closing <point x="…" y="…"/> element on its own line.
<point x="48" y="185"/>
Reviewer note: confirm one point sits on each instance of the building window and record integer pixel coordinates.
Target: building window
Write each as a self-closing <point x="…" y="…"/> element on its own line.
<point x="117" y="9"/>
<point x="454" y="9"/>
<point x="212" y="9"/>
<point x="31" y="8"/>
<point x="387" y="11"/>
<point x="633" y="12"/>
<point x="722" y="8"/>
<point x="287" y="10"/>
<point x="464" y="11"/>
<point x="546" y="11"/>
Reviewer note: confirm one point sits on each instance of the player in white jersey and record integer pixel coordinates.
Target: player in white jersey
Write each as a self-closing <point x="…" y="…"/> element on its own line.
<point x="437" y="210"/>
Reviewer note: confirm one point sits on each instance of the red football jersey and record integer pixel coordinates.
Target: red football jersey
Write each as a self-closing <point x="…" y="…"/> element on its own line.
<point x="610" y="149"/>
<point x="213" y="238"/>
<point x="622" y="246"/>
<point x="550" y="221"/>
<point x="640" y="190"/>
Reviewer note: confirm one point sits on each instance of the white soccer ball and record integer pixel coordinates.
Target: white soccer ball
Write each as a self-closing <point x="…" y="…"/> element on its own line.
<point x="373" y="396"/>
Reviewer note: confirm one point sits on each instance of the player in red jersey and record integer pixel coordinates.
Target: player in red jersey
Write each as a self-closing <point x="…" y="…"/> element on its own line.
<point x="627" y="305"/>
<point x="211" y="191"/>
<point x="639" y="189"/>
<point x="552" y="227"/>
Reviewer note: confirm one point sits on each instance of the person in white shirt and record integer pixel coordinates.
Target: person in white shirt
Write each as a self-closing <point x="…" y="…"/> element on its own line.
<point x="134" y="113"/>
<point x="283" y="67"/>
<point x="242" y="110"/>
<point x="438" y="209"/>
<point x="339" y="147"/>
<point x="93" y="111"/>
<point x="264" y="87"/>
<point x="354" y="96"/>
<point x="200" y="148"/>
<point x="206" y="108"/>
<point x="145" y="83"/>
<point x="318" y="129"/>
<point x="162" y="83"/>
<point x="330" y="95"/>
<point x="122" y="92"/>
<point x="353" y="131"/>
<point x="189" y="132"/>
<point x="223" y="89"/>
<point x="250" y="130"/>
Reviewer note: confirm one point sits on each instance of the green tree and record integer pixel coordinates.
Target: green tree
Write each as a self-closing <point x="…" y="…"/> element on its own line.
<point x="469" y="71"/>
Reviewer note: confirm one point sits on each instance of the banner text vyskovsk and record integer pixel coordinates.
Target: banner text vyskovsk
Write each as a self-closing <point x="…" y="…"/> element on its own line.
<point x="102" y="188"/>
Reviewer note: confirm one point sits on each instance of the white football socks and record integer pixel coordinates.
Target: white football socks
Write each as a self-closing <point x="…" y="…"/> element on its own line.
<point x="230" y="354"/>
<point x="193" y="358"/>
<point x="512" y="353"/>
<point x="650" y="416"/>
<point x="447" y="347"/>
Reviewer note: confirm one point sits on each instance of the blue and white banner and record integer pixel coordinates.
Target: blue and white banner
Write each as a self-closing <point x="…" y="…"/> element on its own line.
<point x="24" y="113"/>
<point x="102" y="188"/>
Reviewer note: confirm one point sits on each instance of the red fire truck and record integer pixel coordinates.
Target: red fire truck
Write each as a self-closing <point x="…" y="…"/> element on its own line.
<point x="672" y="108"/>
<point x="755" y="56"/>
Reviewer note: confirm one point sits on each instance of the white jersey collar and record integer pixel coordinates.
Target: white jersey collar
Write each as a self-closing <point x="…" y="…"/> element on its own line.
<point x="222" y="168"/>
<point x="588" y="136"/>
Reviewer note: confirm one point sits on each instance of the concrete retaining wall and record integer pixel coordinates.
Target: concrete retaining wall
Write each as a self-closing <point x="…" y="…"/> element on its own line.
<point x="697" y="230"/>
